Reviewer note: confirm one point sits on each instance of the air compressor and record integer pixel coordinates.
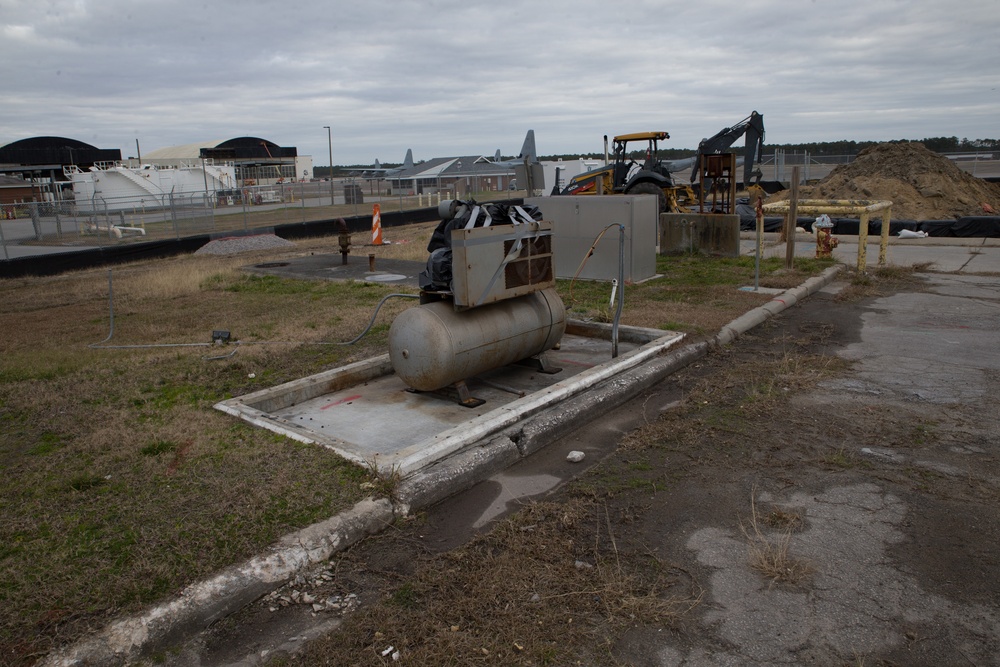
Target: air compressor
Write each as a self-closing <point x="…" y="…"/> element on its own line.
<point x="487" y="299"/>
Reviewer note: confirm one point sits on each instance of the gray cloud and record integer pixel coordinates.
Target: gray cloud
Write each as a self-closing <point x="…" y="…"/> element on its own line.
<point x="448" y="77"/>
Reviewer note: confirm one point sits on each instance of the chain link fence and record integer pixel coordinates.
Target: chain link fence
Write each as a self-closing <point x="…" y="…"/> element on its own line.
<point x="778" y="165"/>
<point x="58" y="226"/>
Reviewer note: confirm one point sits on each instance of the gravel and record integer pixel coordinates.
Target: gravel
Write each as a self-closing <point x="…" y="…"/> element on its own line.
<point x="231" y="245"/>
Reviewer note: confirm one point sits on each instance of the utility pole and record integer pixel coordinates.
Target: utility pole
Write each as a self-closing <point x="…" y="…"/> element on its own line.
<point x="329" y="140"/>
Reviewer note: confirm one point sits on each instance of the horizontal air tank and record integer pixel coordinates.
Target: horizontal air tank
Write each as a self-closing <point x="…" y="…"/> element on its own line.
<point x="433" y="345"/>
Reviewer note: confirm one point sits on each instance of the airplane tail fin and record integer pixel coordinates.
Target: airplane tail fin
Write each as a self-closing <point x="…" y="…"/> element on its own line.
<point x="497" y="158"/>
<point x="408" y="160"/>
<point x="528" y="148"/>
<point x="377" y="165"/>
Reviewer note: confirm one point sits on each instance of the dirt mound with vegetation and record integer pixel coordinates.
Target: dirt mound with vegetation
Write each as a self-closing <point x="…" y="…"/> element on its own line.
<point x="921" y="184"/>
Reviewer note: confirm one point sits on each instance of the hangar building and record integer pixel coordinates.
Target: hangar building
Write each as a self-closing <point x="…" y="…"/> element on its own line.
<point x="257" y="161"/>
<point x="32" y="169"/>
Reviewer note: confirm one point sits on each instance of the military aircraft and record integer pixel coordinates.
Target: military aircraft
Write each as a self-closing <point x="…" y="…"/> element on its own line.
<point x="527" y="151"/>
<point x="378" y="171"/>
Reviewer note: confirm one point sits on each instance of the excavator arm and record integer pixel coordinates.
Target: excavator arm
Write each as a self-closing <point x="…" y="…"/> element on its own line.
<point x="753" y="127"/>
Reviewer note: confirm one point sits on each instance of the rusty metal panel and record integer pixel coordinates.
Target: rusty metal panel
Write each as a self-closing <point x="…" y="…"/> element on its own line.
<point x="500" y="262"/>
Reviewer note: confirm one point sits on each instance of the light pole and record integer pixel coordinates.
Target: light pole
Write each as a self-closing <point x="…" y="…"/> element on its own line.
<point x="329" y="140"/>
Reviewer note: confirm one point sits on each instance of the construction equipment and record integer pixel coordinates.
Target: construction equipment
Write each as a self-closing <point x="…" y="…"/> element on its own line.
<point x="623" y="175"/>
<point x="753" y="127"/>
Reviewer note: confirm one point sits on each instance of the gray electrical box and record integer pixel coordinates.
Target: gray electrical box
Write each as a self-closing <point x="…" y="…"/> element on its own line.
<point x="578" y="220"/>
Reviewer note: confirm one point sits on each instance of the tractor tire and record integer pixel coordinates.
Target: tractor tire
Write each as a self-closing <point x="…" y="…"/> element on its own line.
<point x="650" y="189"/>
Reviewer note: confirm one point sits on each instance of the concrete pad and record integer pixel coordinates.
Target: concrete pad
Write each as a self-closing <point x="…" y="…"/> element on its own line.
<point x="936" y="345"/>
<point x="330" y="266"/>
<point x="366" y="414"/>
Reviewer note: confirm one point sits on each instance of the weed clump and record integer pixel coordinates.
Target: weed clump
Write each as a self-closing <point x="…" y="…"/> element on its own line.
<point x="769" y="554"/>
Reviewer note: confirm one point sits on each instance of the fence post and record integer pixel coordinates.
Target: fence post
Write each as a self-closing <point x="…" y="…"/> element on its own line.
<point x="302" y="200"/>
<point x="107" y="218"/>
<point x="36" y="221"/>
<point x="173" y="215"/>
<point x="3" y="242"/>
<point x="209" y="211"/>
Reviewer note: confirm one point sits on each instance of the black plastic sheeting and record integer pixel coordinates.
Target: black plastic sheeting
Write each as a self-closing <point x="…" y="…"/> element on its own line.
<point x="973" y="226"/>
<point x="75" y="260"/>
<point x="56" y="263"/>
<point x="979" y="226"/>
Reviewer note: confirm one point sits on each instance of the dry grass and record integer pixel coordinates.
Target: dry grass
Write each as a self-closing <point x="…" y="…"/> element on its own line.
<point x="734" y="409"/>
<point x="880" y="281"/>
<point x="382" y="481"/>
<point x="530" y="592"/>
<point x="696" y="295"/>
<point x="129" y="485"/>
<point x="768" y="553"/>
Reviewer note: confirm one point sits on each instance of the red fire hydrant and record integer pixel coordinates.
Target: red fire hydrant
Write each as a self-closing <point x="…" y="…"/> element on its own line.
<point x="344" y="238"/>
<point x="825" y="241"/>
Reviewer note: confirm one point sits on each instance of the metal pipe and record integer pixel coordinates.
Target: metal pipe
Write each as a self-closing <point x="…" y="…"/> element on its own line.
<point x="621" y="287"/>
<point x="760" y="245"/>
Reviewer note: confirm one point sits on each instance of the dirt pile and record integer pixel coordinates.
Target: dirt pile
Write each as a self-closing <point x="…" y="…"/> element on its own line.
<point x="921" y="184"/>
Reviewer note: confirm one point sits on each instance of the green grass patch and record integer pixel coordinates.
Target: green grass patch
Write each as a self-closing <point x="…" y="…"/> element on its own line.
<point x="268" y="285"/>
<point x="48" y="443"/>
<point x="158" y="447"/>
<point x="405" y="596"/>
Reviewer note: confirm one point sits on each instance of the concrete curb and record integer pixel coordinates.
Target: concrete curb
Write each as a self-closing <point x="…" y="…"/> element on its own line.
<point x="205" y="602"/>
<point x="202" y="603"/>
<point x="789" y="298"/>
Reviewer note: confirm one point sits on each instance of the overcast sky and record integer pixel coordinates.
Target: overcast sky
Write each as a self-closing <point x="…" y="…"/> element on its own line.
<point x="460" y="77"/>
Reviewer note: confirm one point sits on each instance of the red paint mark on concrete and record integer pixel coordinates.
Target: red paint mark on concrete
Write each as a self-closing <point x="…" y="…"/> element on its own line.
<point x="348" y="399"/>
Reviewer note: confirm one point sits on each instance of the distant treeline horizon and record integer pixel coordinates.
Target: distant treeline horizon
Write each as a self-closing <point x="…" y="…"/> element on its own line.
<point x="820" y="148"/>
<point x="943" y="145"/>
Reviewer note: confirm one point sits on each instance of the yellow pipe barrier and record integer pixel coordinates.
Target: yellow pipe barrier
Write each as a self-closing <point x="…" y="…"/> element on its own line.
<point x="847" y="207"/>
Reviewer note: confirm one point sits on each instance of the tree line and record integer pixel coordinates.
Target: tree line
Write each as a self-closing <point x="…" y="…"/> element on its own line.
<point x="815" y="149"/>
<point x="936" y="144"/>
<point x="821" y="148"/>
